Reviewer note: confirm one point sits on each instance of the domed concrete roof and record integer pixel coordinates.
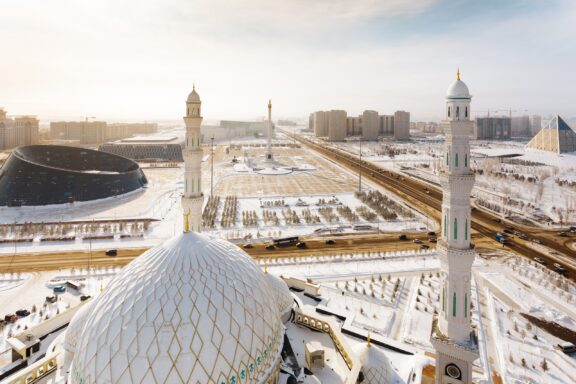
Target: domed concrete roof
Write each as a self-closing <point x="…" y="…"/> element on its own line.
<point x="74" y="329"/>
<point x="458" y="89"/>
<point x="281" y="293"/>
<point x="375" y="364"/>
<point x="193" y="97"/>
<point x="195" y="309"/>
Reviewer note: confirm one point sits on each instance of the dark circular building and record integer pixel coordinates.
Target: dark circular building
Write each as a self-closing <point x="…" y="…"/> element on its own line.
<point x="53" y="174"/>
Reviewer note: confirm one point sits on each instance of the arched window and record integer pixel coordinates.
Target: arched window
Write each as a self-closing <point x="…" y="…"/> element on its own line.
<point x="445" y="224"/>
<point x="443" y="299"/>
<point x="449" y="108"/>
<point x="454" y="304"/>
<point x="457" y="112"/>
<point x="456" y="160"/>
<point x="455" y="229"/>
<point x="466" y="112"/>
<point x="466" y="230"/>
<point x="447" y="159"/>
<point x="466" y="160"/>
<point x="465" y="305"/>
<point x="192" y="189"/>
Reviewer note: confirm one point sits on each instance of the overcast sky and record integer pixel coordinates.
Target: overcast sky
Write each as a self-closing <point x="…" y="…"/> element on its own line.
<point x="138" y="59"/>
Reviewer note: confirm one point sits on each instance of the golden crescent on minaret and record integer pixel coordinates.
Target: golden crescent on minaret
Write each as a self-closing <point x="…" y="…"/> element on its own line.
<point x="269" y="103"/>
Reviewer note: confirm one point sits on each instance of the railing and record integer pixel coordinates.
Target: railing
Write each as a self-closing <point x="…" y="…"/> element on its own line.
<point x="35" y="372"/>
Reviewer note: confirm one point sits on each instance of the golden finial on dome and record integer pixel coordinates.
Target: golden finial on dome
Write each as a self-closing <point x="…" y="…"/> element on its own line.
<point x="186" y="221"/>
<point x="269" y="103"/>
<point x="458" y="74"/>
<point x="368" y="340"/>
<point x="193" y="86"/>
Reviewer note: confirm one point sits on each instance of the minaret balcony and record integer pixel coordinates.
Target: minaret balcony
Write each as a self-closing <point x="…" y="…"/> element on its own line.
<point x="461" y="349"/>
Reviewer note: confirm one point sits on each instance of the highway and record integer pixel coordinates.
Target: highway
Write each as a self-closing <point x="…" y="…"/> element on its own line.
<point x="34" y="262"/>
<point x="428" y="200"/>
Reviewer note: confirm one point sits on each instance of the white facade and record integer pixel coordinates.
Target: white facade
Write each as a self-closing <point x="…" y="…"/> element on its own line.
<point x="452" y="333"/>
<point x="320" y="120"/>
<point x="193" y="198"/>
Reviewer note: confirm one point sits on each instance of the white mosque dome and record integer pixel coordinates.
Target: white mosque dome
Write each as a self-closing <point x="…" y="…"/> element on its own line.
<point x="193" y="97"/>
<point x="195" y="309"/>
<point x="458" y="90"/>
<point x="375" y="365"/>
<point x="281" y="293"/>
<point x="74" y="329"/>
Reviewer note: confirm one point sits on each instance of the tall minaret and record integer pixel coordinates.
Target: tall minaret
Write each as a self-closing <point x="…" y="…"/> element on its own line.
<point x="193" y="198"/>
<point x="452" y="338"/>
<point x="269" y="129"/>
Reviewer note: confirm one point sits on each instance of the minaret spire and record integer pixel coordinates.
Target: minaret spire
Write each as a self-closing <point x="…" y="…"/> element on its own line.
<point x="458" y="74"/>
<point x="193" y="197"/>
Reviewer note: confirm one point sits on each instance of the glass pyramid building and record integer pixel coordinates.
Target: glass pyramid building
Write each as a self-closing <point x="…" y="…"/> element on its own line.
<point x="556" y="136"/>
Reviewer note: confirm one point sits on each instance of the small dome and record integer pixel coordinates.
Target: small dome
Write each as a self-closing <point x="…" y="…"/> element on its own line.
<point x="196" y="309"/>
<point x="458" y="90"/>
<point x="74" y="329"/>
<point x="375" y="364"/>
<point x="281" y="293"/>
<point x="193" y="97"/>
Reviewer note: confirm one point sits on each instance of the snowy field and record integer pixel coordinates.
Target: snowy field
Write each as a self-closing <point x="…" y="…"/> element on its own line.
<point x="531" y="185"/>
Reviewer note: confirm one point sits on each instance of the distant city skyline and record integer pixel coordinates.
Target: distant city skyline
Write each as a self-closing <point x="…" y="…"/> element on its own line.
<point x="138" y="60"/>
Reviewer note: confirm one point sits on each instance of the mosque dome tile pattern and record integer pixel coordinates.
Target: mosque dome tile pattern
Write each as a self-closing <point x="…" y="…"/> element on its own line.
<point x="195" y="309"/>
<point x="74" y="329"/>
<point x="281" y="293"/>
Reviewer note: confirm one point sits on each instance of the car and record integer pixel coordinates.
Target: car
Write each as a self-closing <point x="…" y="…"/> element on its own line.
<point x="537" y="241"/>
<point x="301" y="244"/>
<point x="572" y="229"/>
<point x="562" y="234"/>
<point x="433" y="240"/>
<point x="431" y="233"/>
<point x="523" y="236"/>
<point x="540" y="260"/>
<point x="508" y="230"/>
<point x="330" y="242"/>
<point x="424" y="246"/>
<point x="22" y="313"/>
<point x="50" y="299"/>
<point x="11" y="318"/>
<point x="559" y="268"/>
<point x="248" y="245"/>
<point x="417" y="241"/>
<point x="85" y="297"/>
<point x="111" y="252"/>
<point x="403" y="237"/>
<point x="270" y="247"/>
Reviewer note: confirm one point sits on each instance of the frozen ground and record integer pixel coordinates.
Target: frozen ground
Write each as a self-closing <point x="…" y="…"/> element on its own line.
<point x="529" y="184"/>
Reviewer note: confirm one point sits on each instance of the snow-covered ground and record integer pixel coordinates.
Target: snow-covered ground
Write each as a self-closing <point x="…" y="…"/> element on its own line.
<point x="528" y="183"/>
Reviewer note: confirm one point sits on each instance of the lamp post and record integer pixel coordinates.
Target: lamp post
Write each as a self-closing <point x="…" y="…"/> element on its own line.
<point x="212" y="166"/>
<point x="360" y="168"/>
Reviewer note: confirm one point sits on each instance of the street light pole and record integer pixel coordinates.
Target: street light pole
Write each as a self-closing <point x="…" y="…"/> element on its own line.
<point x="360" y="169"/>
<point x="212" y="166"/>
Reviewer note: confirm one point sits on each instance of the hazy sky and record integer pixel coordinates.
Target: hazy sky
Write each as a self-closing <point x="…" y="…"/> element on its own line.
<point x="137" y="59"/>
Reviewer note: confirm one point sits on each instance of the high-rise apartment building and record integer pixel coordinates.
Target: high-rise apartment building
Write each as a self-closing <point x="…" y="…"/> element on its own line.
<point x="492" y="128"/>
<point x="336" y="125"/>
<point x="401" y="125"/>
<point x="18" y="131"/>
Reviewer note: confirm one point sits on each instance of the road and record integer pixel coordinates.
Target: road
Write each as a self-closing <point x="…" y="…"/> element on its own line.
<point x="33" y="262"/>
<point x="428" y="200"/>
